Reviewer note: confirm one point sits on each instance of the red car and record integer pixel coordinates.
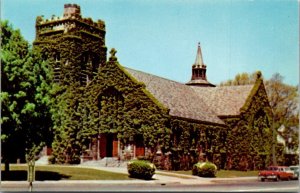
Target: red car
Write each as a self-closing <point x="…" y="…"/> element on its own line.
<point x="276" y="173"/>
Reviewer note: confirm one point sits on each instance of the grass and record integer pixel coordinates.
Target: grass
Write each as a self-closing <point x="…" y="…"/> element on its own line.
<point x="58" y="172"/>
<point x="55" y="172"/>
<point x="234" y="173"/>
<point x="225" y="173"/>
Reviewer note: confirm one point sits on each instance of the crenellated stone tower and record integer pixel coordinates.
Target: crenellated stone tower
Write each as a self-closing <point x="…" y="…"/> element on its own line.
<point x="199" y="72"/>
<point x="75" y="46"/>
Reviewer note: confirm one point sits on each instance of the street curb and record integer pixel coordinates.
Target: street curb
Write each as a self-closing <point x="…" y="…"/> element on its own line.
<point x="230" y="180"/>
<point x="104" y="182"/>
<point x="138" y="182"/>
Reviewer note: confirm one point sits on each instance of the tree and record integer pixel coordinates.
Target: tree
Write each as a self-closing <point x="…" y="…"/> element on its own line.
<point x="67" y="146"/>
<point x="283" y="100"/>
<point x="241" y="79"/>
<point x="25" y="98"/>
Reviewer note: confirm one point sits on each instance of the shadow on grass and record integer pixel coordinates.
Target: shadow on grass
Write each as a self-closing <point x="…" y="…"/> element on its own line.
<point x="39" y="176"/>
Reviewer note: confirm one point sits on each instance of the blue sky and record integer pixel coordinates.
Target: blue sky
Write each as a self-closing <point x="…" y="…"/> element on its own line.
<point x="161" y="36"/>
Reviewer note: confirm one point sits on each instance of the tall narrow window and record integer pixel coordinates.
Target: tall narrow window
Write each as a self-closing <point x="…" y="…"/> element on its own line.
<point x="57" y="67"/>
<point x="84" y="74"/>
<point x="95" y="63"/>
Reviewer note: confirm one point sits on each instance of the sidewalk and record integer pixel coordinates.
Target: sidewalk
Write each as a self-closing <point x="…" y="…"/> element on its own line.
<point x="165" y="177"/>
<point x="157" y="178"/>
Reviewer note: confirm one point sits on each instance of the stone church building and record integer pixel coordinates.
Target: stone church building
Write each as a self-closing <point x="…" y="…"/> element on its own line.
<point x="132" y="114"/>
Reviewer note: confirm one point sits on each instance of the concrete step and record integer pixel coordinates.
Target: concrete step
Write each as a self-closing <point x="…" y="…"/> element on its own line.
<point x="106" y="162"/>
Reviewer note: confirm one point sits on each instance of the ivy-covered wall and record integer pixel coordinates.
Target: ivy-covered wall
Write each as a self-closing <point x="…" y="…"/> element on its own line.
<point x="75" y="47"/>
<point x="195" y="141"/>
<point x="249" y="137"/>
<point x="116" y="103"/>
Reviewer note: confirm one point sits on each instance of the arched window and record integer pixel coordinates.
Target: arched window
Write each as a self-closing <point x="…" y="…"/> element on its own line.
<point x="95" y="63"/>
<point x="110" y="104"/>
<point x="89" y="66"/>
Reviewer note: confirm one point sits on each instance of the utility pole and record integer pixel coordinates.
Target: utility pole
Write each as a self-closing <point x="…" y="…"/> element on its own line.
<point x="273" y="141"/>
<point x="31" y="174"/>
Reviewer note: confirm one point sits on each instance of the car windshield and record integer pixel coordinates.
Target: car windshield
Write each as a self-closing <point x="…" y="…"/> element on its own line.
<point x="272" y="168"/>
<point x="294" y="168"/>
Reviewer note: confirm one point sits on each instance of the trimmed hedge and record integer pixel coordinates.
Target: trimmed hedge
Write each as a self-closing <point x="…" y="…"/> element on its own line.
<point x="141" y="169"/>
<point x="204" y="169"/>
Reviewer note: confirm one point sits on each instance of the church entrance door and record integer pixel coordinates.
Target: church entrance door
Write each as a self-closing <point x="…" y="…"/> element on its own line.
<point x="109" y="145"/>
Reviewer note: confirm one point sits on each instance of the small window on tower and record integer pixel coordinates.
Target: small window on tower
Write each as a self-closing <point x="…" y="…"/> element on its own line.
<point x="95" y="63"/>
<point x="57" y="57"/>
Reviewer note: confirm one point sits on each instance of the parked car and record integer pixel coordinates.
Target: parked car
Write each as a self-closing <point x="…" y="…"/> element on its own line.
<point x="276" y="173"/>
<point x="295" y="170"/>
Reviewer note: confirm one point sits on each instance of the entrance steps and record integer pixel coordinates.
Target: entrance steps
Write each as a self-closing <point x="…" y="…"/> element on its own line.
<point x="106" y="162"/>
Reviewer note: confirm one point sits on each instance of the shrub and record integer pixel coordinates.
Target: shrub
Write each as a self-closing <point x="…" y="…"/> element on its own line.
<point x="204" y="169"/>
<point x="141" y="169"/>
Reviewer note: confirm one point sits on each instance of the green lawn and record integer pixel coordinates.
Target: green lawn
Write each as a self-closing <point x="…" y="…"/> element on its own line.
<point x="55" y="172"/>
<point x="225" y="173"/>
<point x="234" y="173"/>
<point x="58" y="172"/>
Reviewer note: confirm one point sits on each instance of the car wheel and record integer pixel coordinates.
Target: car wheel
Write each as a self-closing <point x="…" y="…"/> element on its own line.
<point x="277" y="178"/>
<point x="262" y="179"/>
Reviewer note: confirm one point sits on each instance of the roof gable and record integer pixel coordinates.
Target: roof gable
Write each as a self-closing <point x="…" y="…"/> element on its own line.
<point x="181" y="99"/>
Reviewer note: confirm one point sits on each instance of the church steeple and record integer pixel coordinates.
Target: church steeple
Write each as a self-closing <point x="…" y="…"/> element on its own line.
<point x="199" y="59"/>
<point x="199" y="71"/>
<point x="199" y="68"/>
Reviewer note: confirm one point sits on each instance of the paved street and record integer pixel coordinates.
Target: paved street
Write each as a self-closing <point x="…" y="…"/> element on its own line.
<point x="119" y="186"/>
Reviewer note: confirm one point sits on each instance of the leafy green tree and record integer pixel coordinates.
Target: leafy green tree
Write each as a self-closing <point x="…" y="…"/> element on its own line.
<point x="67" y="144"/>
<point x="283" y="100"/>
<point x="25" y="98"/>
<point x="241" y="79"/>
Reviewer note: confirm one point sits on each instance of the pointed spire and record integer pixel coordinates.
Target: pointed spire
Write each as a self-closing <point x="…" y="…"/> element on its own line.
<point x="199" y="59"/>
<point x="199" y="71"/>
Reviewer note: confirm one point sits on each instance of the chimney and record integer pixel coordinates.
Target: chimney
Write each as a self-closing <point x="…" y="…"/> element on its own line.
<point x="71" y="10"/>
